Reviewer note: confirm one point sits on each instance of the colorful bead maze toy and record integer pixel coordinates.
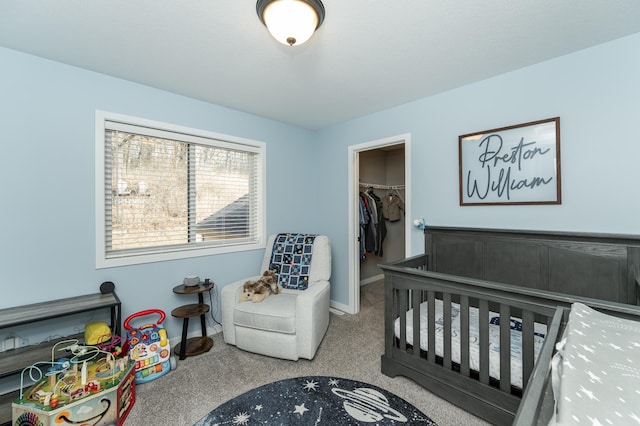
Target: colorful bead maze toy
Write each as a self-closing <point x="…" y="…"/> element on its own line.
<point x="90" y="386"/>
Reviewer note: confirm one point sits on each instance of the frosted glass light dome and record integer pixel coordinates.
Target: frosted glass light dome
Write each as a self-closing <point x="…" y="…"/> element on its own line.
<point x="291" y="22"/>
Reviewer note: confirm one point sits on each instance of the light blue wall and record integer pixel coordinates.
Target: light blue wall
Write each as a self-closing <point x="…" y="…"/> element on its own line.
<point x="595" y="92"/>
<point x="47" y="167"/>
<point x="47" y="173"/>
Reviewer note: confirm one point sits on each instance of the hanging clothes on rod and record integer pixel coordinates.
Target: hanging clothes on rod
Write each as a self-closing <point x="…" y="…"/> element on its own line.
<point x="397" y="193"/>
<point x="372" y="223"/>
<point x="392" y="203"/>
<point x="392" y="188"/>
<point x="392" y="206"/>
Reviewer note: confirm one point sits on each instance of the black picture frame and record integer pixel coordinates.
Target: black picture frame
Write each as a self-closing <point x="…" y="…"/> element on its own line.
<point x="512" y="165"/>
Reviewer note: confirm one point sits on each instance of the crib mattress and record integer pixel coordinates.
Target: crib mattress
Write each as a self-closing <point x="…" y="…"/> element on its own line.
<point x="474" y="346"/>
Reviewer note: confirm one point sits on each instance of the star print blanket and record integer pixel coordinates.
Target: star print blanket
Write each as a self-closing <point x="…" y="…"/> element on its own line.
<point x="291" y="260"/>
<point x="595" y="373"/>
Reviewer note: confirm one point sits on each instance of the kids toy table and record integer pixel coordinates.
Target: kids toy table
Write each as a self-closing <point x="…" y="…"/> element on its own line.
<point x="194" y="345"/>
<point x="105" y="399"/>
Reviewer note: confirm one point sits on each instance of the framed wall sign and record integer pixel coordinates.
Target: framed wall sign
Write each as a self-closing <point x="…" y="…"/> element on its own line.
<point x="511" y="165"/>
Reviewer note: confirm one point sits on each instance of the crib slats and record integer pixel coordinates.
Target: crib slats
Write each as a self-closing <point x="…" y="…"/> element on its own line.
<point x="464" y="335"/>
<point x="415" y="304"/>
<point x="402" y="308"/>
<point x="528" y="358"/>
<point x="446" y="311"/>
<point x="505" y="348"/>
<point x="431" y="325"/>
<point x="483" y="318"/>
<point x="410" y="303"/>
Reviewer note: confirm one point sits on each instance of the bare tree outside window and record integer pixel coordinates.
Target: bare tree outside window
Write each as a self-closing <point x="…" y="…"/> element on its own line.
<point x="166" y="192"/>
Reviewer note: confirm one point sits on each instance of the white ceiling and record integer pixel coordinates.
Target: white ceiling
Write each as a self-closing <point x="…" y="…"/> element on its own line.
<point x="368" y="55"/>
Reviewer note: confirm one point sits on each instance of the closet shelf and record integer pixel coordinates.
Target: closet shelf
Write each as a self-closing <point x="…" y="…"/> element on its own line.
<point x="378" y="186"/>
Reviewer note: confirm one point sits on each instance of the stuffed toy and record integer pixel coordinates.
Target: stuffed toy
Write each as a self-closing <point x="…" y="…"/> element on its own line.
<point x="263" y="287"/>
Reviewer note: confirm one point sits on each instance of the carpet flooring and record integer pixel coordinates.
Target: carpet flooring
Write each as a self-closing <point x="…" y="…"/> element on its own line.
<point x="351" y="349"/>
<point x="316" y="400"/>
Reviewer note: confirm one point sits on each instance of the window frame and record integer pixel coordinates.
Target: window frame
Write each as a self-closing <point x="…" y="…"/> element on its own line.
<point x="170" y="253"/>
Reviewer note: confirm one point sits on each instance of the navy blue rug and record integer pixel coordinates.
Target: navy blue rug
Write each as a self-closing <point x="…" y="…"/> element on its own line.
<point x="316" y="400"/>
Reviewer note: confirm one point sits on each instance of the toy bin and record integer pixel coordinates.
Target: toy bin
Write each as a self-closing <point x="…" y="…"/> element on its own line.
<point x="149" y="347"/>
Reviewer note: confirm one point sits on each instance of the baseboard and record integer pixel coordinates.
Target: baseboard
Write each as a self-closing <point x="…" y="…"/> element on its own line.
<point x="333" y="305"/>
<point x="373" y="279"/>
<point x="214" y="330"/>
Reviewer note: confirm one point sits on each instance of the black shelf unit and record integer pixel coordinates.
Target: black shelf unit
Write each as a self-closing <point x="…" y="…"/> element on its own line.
<point x="13" y="361"/>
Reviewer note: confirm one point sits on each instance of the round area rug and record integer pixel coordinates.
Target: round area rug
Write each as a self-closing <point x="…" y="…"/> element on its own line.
<point x="316" y="400"/>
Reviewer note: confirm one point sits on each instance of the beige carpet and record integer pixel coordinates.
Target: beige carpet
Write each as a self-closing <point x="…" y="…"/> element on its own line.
<point x="351" y="349"/>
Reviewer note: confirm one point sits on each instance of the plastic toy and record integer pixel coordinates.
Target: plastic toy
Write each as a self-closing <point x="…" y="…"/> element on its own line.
<point x="149" y="347"/>
<point x="94" y="332"/>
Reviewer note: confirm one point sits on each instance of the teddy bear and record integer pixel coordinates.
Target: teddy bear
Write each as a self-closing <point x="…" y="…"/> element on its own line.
<point x="263" y="287"/>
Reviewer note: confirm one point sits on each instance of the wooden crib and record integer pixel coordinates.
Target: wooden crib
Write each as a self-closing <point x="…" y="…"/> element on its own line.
<point x="506" y="294"/>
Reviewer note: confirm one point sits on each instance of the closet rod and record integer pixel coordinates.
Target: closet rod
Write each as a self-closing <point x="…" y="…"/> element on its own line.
<point x="378" y="186"/>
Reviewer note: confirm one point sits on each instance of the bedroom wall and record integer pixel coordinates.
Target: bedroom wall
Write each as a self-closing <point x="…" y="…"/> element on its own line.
<point x="595" y="93"/>
<point x="47" y="173"/>
<point x="46" y="167"/>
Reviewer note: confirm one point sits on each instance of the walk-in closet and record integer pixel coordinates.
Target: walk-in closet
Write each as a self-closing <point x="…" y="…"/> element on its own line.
<point x="382" y="214"/>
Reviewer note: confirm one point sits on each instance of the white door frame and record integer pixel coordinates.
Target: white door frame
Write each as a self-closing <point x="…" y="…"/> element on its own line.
<point x="354" y="220"/>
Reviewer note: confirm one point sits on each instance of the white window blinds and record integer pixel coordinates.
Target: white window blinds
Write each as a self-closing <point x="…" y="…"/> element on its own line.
<point x="168" y="192"/>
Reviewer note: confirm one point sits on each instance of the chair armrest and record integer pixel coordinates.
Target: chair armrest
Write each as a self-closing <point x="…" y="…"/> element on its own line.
<point x="230" y="297"/>
<point x="312" y="317"/>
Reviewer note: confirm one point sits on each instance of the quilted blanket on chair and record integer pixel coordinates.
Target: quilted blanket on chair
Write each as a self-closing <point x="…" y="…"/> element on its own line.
<point x="291" y="259"/>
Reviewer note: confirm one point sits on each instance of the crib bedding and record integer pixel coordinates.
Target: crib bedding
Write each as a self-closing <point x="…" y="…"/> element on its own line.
<point x="474" y="348"/>
<point x="595" y="375"/>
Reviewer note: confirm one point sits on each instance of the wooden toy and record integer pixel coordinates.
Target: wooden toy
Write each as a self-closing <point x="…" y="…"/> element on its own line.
<point x="89" y="387"/>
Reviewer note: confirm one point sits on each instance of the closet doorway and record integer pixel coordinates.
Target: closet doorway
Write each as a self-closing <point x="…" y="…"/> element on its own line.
<point x="379" y="168"/>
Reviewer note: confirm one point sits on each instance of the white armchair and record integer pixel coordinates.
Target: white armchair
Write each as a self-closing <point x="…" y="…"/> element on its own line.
<point x="288" y="325"/>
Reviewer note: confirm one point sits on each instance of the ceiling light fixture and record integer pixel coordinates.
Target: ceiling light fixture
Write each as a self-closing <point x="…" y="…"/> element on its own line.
<point x="291" y="22"/>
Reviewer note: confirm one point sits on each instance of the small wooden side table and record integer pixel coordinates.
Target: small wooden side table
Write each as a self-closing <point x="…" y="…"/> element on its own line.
<point x="194" y="345"/>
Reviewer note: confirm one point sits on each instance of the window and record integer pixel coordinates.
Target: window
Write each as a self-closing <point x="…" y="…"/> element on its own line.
<point x="166" y="192"/>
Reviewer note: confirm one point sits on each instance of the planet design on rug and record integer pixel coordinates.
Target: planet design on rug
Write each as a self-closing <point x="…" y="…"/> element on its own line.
<point x="316" y="400"/>
<point x="368" y="405"/>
